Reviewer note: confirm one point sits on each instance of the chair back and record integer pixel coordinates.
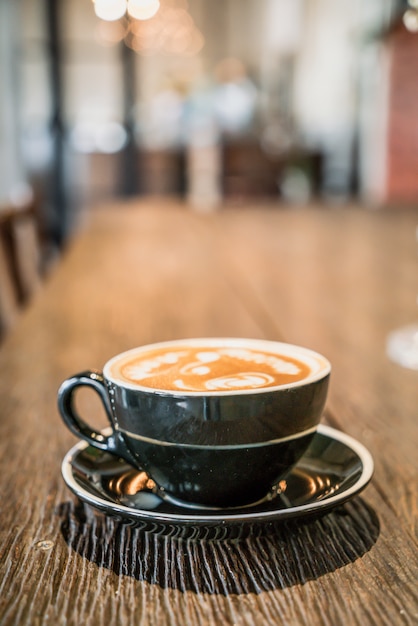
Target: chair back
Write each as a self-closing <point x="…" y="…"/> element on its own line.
<point x="20" y="261"/>
<point x="9" y="305"/>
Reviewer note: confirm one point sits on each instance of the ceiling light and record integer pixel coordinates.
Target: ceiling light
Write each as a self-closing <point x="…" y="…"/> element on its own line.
<point x="143" y="9"/>
<point x="110" y="10"/>
<point x="410" y="19"/>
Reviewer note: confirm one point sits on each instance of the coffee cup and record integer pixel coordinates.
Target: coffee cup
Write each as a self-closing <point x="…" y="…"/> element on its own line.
<point x="215" y="422"/>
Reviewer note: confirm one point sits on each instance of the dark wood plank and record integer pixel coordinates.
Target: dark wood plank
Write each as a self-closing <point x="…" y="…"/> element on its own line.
<point x="140" y="273"/>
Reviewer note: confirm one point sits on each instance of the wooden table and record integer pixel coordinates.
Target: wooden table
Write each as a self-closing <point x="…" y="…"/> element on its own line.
<point x="335" y="280"/>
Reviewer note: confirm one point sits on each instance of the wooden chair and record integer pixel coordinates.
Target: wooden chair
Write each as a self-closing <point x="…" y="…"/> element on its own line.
<point x="20" y="269"/>
<point x="9" y="305"/>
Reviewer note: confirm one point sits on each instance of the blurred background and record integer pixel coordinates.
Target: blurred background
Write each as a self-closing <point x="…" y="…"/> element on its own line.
<point x="218" y="103"/>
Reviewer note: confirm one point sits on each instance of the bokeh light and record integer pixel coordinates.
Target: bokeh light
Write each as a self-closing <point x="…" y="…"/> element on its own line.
<point x="410" y="19"/>
<point x="110" y="10"/>
<point x="149" y="26"/>
<point x="143" y="9"/>
<point x="171" y="31"/>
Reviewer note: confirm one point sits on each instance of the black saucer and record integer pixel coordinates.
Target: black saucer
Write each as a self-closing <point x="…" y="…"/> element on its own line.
<point x="334" y="468"/>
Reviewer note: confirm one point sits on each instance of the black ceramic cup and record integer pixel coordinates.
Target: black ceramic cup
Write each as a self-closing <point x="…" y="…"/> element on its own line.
<point x="224" y="444"/>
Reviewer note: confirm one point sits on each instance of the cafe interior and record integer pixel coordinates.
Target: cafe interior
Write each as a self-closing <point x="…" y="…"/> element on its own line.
<point x="173" y="169"/>
<point x="286" y="101"/>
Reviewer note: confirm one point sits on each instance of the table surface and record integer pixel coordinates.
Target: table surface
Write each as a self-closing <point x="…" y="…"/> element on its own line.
<point x="335" y="280"/>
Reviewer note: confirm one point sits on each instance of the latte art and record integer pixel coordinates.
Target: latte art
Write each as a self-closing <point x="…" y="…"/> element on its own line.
<point x="251" y="380"/>
<point x="202" y="368"/>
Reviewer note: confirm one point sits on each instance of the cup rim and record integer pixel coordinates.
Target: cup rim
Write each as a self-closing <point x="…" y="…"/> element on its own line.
<point x="308" y="356"/>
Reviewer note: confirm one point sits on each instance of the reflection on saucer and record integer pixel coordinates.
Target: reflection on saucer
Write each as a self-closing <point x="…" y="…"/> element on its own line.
<point x="134" y="489"/>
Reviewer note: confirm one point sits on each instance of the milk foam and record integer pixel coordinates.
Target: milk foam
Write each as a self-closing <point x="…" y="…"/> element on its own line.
<point x="203" y="368"/>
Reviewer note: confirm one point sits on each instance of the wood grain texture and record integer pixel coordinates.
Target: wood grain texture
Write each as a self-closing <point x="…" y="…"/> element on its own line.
<point x="335" y="280"/>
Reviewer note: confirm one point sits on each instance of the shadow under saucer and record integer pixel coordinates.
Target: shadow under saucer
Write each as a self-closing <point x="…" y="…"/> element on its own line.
<point x="287" y="553"/>
<point x="312" y="527"/>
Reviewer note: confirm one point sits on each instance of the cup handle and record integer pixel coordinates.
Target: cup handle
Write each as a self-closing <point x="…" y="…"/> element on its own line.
<point x="112" y="443"/>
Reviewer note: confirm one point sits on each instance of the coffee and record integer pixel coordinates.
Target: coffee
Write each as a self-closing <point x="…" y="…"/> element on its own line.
<point x="207" y="368"/>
